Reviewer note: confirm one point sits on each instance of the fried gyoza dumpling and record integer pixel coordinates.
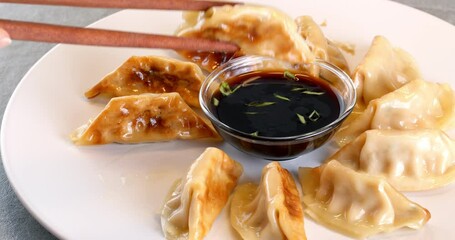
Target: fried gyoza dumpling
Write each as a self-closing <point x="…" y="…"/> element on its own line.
<point x="196" y="200"/>
<point x="144" y="118"/>
<point x="321" y="47"/>
<point x="150" y="74"/>
<point x="357" y="204"/>
<point x="416" y="105"/>
<point x="271" y="210"/>
<point x="383" y="70"/>
<point x="411" y="160"/>
<point x="256" y="30"/>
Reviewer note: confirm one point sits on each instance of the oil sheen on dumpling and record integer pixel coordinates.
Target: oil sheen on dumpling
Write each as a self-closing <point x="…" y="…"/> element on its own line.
<point x="411" y="160"/>
<point x="257" y="30"/>
<point x="416" y="105"/>
<point x="383" y="69"/>
<point x="357" y="204"/>
<point x="150" y="74"/>
<point x="321" y="47"/>
<point x="144" y="118"/>
<point x="196" y="200"/>
<point x="271" y="210"/>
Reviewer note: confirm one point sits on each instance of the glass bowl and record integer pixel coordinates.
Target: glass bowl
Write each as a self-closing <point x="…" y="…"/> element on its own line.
<point x="277" y="148"/>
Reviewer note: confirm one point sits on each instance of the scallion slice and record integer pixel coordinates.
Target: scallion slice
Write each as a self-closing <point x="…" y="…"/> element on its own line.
<point x="301" y="118"/>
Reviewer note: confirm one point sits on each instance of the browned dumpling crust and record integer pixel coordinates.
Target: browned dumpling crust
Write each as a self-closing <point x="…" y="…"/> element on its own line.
<point x="270" y="210"/>
<point x="151" y="74"/>
<point x="144" y="118"/>
<point x="195" y="200"/>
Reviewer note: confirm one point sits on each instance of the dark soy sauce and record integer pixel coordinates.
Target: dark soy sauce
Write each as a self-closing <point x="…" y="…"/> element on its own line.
<point x="273" y="104"/>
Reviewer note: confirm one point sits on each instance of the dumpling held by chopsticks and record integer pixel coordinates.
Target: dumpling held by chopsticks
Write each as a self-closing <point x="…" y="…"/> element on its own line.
<point x="257" y="30"/>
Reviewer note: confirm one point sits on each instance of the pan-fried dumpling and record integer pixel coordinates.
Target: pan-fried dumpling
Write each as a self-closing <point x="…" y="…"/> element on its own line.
<point x="416" y="105"/>
<point x="144" y="118"/>
<point x="357" y="204"/>
<point x="196" y="200"/>
<point x="150" y="74"/>
<point x="411" y="160"/>
<point x="271" y="210"/>
<point x="256" y="30"/>
<point x="383" y="69"/>
<point x="321" y="47"/>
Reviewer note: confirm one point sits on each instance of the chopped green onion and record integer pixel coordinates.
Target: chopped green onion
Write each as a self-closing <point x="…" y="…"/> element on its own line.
<point x="259" y="104"/>
<point x="251" y="113"/>
<point x="301" y="118"/>
<point x="299" y="89"/>
<point x="216" y="102"/>
<point x="225" y="89"/>
<point x="236" y="88"/>
<point x="290" y="75"/>
<point x="281" y="97"/>
<point x="313" y="93"/>
<point x="314" y="116"/>
<point x="255" y="134"/>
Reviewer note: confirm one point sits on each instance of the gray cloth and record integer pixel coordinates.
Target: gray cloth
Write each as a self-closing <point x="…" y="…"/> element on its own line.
<point x="15" y="221"/>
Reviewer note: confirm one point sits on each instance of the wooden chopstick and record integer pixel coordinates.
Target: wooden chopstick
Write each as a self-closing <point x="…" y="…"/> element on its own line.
<point x="195" y="5"/>
<point x="86" y="36"/>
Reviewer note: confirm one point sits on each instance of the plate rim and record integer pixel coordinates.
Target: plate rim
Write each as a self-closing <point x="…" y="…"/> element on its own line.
<point x="46" y="223"/>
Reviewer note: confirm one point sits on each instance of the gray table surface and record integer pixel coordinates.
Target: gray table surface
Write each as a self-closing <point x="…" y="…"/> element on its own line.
<point x="15" y="61"/>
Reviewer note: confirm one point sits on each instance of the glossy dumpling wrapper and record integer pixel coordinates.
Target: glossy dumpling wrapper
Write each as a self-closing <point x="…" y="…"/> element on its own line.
<point x="384" y="69"/>
<point x="270" y="210"/>
<point x="410" y="160"/>
<point x="321" y="47"/>
<point x="257" y="30"/>
<point x="196" y="200"/>
<point x="144" y="118"/>
<point x="151" y="74"/>
<point x="416" y="105"/>
<point x="357" y="204"/>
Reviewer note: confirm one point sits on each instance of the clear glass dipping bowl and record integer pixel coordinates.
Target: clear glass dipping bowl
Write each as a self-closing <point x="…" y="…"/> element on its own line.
<point x="277" y="148"/>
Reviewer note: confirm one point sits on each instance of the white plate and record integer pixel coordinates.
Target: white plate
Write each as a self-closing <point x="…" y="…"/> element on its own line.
<point x="115" y="191"/>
